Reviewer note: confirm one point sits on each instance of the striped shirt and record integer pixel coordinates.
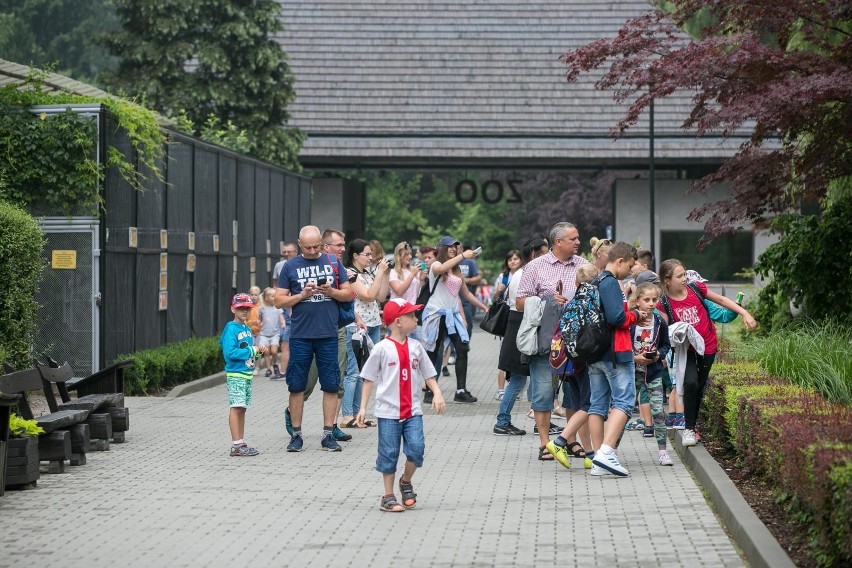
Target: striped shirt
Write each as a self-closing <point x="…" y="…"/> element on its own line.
<point x="542" y="274"/>
<point x="399" y="372"/>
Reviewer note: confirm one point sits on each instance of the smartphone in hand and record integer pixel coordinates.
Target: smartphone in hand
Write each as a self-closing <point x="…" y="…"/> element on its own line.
<point x="477" y="251"/>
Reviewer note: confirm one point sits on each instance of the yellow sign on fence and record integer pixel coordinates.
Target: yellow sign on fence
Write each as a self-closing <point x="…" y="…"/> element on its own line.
<point x="64" y="259"/>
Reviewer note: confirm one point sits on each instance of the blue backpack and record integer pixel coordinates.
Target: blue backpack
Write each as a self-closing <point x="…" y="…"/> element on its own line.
<point x="583" y="325"/>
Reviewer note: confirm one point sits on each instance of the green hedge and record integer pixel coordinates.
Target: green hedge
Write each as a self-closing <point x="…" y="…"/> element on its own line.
<point x="173" y="364"/>
<point x="797" y="441"/>
<point x="21" y="263"/>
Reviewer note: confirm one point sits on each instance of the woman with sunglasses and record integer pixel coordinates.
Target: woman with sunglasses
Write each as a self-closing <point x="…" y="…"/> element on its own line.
<point x="370" y="286"/>
<point x="442" y="316"/>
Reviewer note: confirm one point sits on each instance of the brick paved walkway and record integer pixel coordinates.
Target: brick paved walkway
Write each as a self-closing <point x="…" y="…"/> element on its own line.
<point x="171" y="496"/>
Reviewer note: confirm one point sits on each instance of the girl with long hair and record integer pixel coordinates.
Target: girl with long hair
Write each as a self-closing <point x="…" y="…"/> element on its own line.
<point x="443" y="317"/>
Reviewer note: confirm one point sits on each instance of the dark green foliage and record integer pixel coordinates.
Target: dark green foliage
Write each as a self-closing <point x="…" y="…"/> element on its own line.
<point x="49" y="161"/>
<point x="173" y="364"/>
<point x="21" y="244"/>
<point x="209" y="57"/>
<point x="809" y="265"/>
<point x="59" y="33"/>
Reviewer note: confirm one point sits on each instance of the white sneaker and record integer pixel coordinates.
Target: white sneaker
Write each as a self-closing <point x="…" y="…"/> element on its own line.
<point x="688" y="438"/>
<point x="665" y="459"/>
<point x="610" y="463"/>
<point x="499" y="394"/>
<point x="451" y="360"/>
<point x="598" y="471"/>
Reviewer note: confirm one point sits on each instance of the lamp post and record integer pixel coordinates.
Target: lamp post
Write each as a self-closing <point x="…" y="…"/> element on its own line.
<point x="653" y="244"/>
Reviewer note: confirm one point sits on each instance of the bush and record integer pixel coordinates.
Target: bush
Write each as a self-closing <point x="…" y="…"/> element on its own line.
<point x="21" y="244"/>
<point x="806" y="242"/>
<point x="796" y="440"/>
<point x="172" y="364"/>
<point x="809" y="354"/>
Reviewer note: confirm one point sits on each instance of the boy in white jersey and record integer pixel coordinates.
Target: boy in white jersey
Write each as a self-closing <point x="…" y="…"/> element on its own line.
<point x="400" y="368"/>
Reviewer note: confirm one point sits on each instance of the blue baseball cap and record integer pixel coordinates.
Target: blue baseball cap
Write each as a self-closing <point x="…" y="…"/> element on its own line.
<point x="448" y="241"/>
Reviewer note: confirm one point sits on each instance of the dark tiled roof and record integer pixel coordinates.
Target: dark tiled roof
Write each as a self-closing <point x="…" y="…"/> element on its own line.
<point x="11" y="72"/>
<point x="406" y="81"/>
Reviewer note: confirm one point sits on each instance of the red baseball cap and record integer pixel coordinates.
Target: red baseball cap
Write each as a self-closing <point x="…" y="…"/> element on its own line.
<point x="242" y="301"/>
<point x="398" y="307"/>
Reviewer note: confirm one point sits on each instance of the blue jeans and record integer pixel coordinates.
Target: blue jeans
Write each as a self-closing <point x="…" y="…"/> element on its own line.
<point x="391" y="431"/>
<point x="375" y="333"/>
<point x="302" y="353"/>
<point x="610" y="386"/>
<point x="513" y="390"/>
<point x="352" y="383"/>
<point x="541" y="383"/>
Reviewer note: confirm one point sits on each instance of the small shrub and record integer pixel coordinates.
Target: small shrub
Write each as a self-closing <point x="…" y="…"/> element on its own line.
<point x="811" y="355"/>
<point x="172" y="364"/>
<point x="18" y="427"/>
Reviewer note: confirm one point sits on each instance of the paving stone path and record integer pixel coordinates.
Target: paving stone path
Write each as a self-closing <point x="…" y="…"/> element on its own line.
<point x="171" y="496"/>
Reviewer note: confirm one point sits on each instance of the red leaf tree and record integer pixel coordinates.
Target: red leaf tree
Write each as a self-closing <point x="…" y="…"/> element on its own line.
<point x="777" y="68"/>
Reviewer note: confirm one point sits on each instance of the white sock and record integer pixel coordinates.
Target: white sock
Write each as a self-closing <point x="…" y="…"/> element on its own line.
<point x="459" y="391"/>
<point x="606" y="449"/>
<point x="663" y="452"/>
<point x="239" y="442"/>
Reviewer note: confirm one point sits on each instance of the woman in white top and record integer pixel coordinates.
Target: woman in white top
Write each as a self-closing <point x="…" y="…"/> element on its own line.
<point x="443" y="316"/>
<point x="369" y="288"/>
<point x="510" y="362"/>
<point x="513" y="262"/>
<point x="404" y="280"/>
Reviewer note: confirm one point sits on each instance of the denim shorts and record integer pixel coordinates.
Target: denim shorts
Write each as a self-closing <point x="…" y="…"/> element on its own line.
<point x="285" y="334"/>
<point x="541" y="383"/>
<point x="391" y="431"/>
<point x="239" y="392"/>
<point x="610" y="386"/>
<point x="302" y="353"/>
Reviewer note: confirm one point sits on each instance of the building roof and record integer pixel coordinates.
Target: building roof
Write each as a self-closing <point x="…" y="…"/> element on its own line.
<point x="414" y="82"/>
<point x="11" y="72"/>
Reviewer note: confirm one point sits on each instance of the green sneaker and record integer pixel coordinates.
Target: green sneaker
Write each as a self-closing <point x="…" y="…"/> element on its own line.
<point x="560" y="453"/>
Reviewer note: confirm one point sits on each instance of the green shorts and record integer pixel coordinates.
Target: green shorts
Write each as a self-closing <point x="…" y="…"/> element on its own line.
<point x="239" y="392"/>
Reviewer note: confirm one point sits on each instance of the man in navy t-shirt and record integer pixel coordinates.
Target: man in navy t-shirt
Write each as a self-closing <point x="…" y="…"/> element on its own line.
<point x="309" y="284"/>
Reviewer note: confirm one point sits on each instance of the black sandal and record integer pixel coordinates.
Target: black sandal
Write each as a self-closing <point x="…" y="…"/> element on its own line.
<point x="409" y="497"/>
<point x="579" y="452"/>
<point x="544" y="455"/>
<point x="389" y="504"/>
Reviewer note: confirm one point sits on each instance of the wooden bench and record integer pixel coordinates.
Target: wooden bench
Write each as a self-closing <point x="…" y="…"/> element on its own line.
<point x="96" y="405"/>
<point x="65" y="437"/>
<point x="109" y="381"/>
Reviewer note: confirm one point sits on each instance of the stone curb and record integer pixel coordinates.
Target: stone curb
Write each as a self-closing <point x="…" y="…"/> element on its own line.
<point x="751" y="535"/>
<point x="197" y="385"/>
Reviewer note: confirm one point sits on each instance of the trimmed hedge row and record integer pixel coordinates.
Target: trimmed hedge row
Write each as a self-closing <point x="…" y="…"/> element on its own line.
<point x="796" y="440"/>
<point x="21" y="263"/>
<point x="172" y="364"/>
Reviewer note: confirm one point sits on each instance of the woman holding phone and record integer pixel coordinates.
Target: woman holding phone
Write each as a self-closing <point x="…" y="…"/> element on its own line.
<point x="443" y="317"/>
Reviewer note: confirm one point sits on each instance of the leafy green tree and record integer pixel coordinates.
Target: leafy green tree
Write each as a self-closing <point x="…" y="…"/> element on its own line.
<point x="810" y="264"/>
<point x="46" y="33"/>
<point x="209" y="57"/>
<point x="392" y="214"/>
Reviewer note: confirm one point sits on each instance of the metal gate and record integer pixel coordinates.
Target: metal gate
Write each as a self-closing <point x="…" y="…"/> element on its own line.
<point x="69" y="295"/>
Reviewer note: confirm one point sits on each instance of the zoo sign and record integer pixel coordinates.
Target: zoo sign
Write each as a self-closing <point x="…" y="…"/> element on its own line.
<point x="492" y="191"/>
